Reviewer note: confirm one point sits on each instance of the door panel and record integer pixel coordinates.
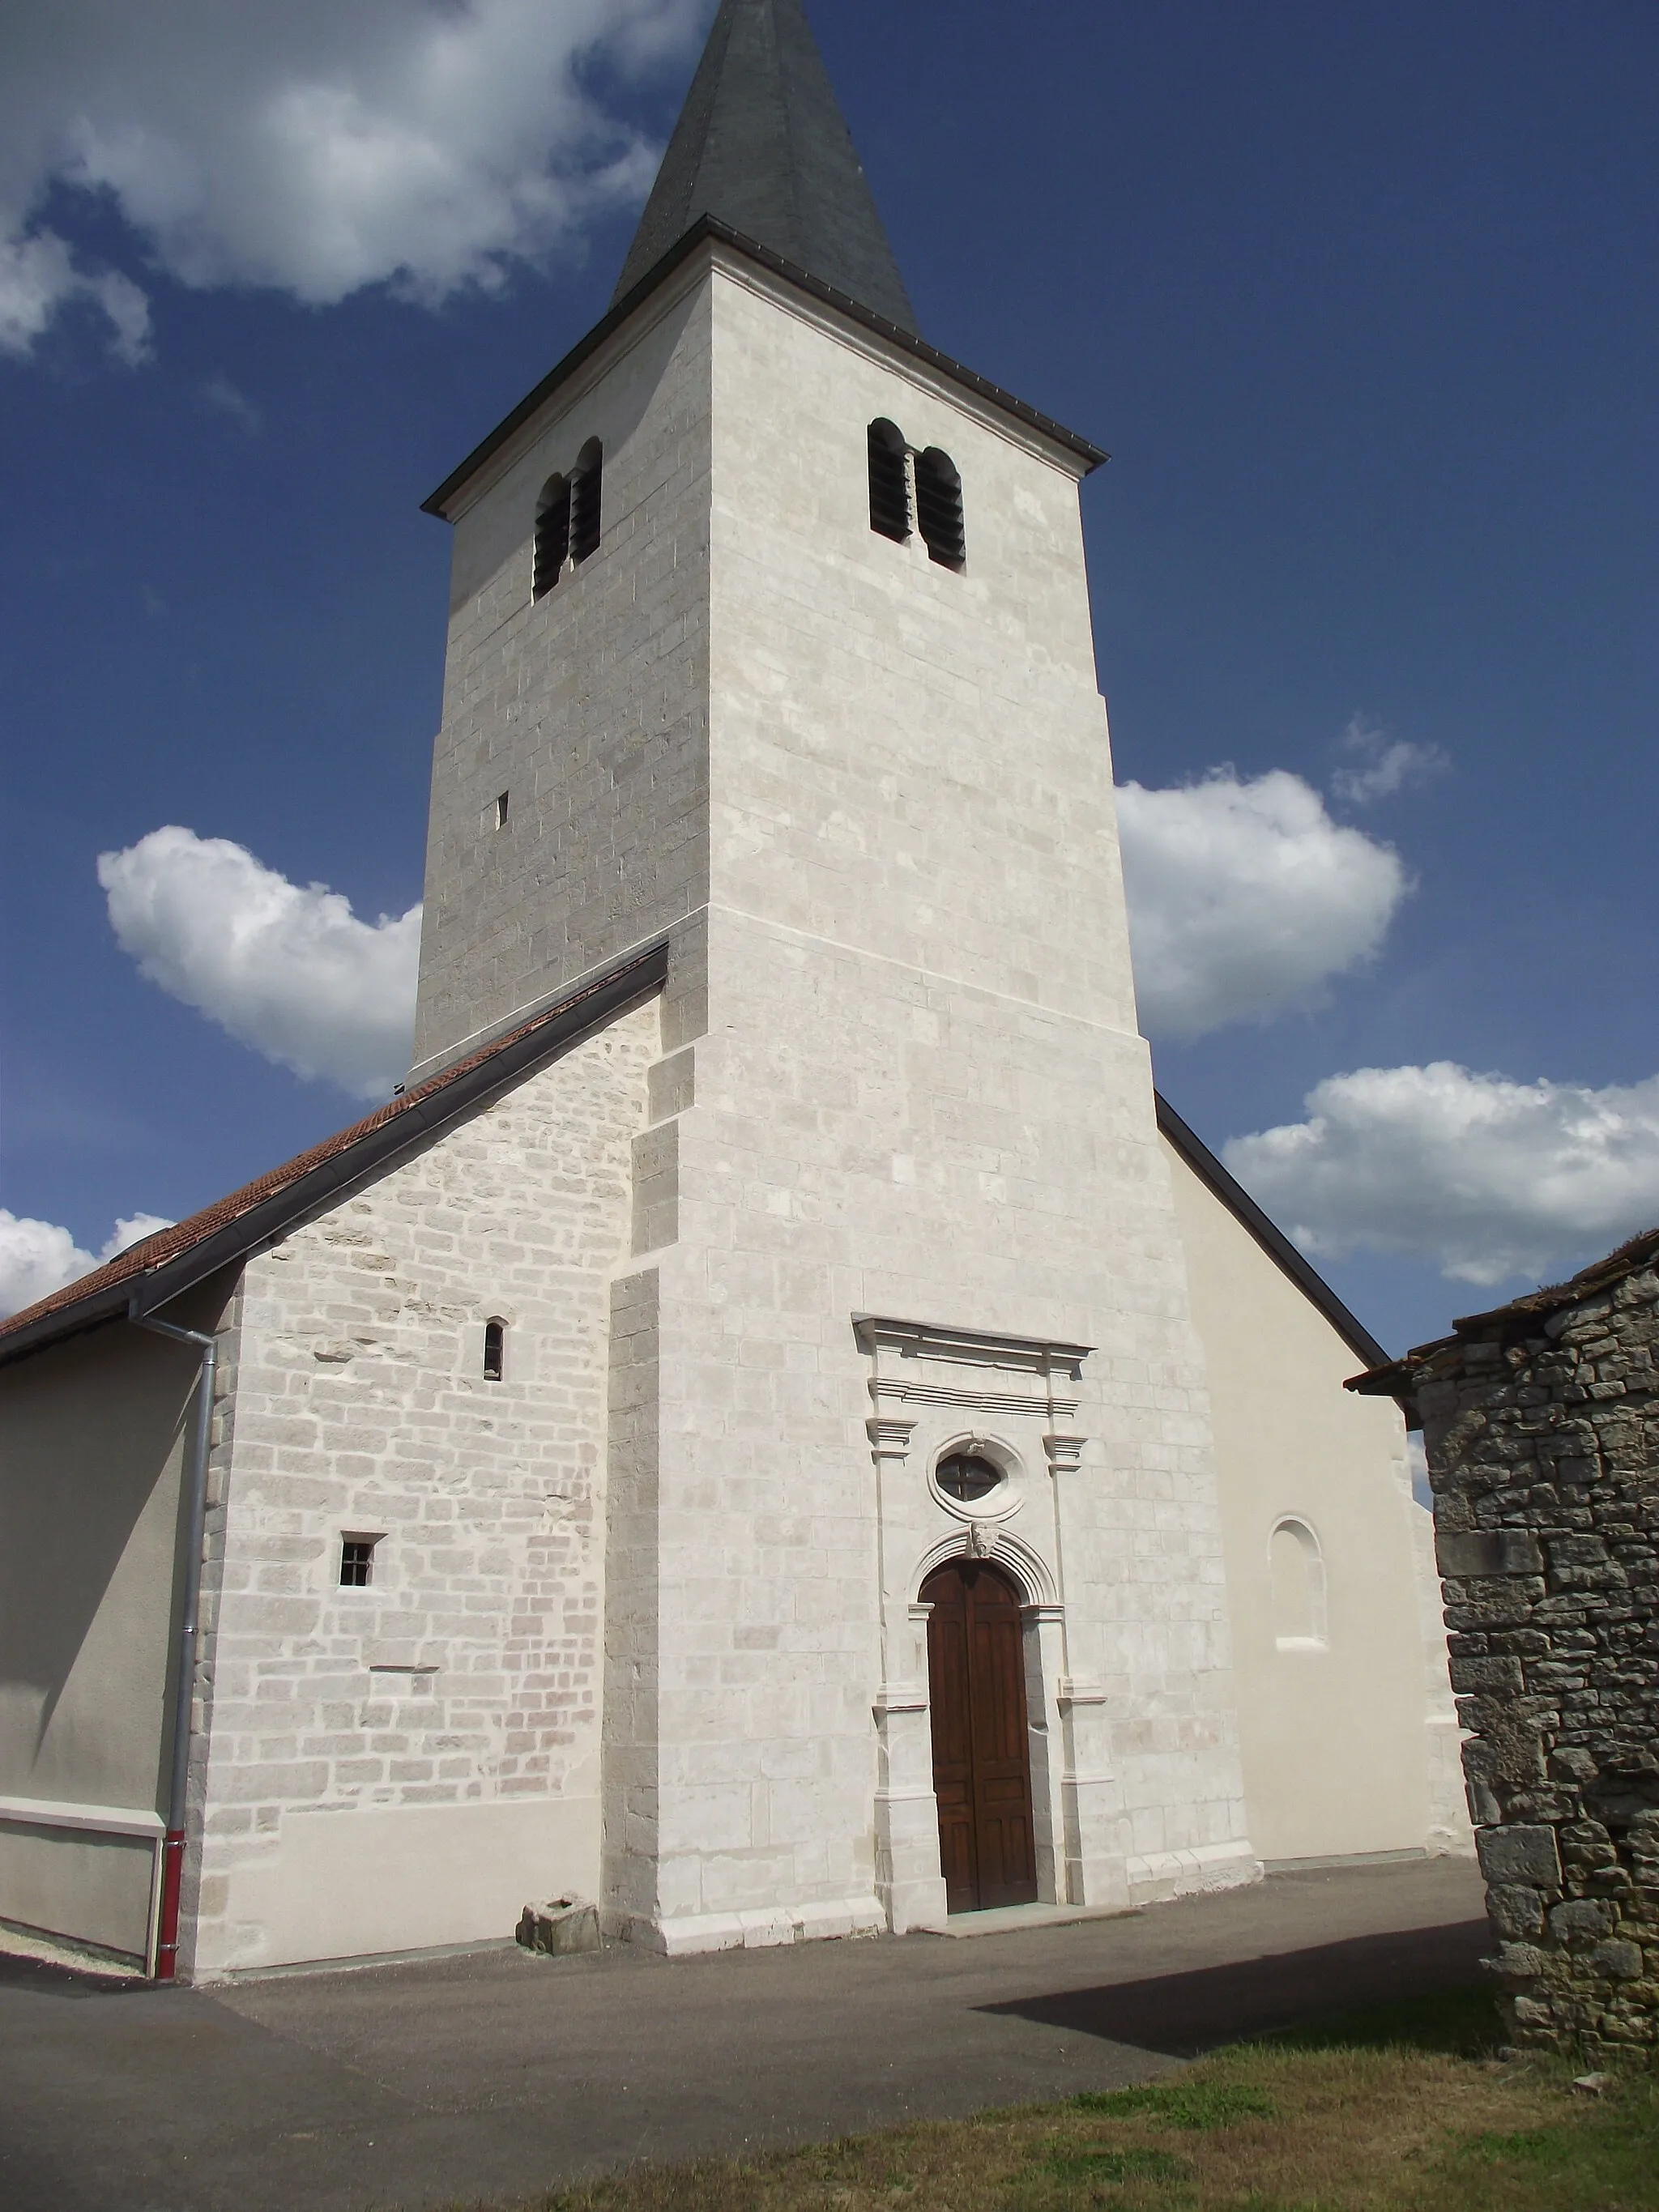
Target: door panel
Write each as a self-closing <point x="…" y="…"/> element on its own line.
<point x="953" y="1762"/>
<point x="982" y="1753"/>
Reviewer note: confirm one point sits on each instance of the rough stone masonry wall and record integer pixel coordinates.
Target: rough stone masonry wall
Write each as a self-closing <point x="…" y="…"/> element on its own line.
<point x="1544" y="1454"/>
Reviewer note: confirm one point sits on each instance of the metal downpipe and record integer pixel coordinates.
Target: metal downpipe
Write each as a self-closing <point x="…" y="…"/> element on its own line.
<point x="172" y="1847"/>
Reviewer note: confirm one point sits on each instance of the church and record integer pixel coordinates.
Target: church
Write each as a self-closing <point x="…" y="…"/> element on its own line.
<point x="776" y="1429"/>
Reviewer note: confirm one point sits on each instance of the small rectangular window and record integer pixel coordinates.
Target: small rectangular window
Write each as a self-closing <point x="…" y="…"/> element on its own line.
<point x="501" y="811"/>
<point x="358" y="1561"/>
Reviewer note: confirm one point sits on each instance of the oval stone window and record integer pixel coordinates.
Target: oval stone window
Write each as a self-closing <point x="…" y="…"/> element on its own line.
<point x="966" y="1476"/>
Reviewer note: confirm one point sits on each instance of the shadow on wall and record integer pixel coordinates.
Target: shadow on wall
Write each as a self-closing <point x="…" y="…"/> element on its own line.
<point x="91" y="1437"/>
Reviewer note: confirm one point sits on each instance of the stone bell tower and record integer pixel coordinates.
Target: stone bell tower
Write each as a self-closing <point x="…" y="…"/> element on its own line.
<point x="770" y="640"/>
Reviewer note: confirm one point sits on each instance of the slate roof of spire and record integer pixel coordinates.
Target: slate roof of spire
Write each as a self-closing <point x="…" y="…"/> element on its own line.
<point x="762" y="146"/>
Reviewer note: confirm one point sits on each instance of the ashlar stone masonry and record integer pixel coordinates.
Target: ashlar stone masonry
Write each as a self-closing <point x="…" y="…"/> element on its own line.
<point x="780" y="1133"/>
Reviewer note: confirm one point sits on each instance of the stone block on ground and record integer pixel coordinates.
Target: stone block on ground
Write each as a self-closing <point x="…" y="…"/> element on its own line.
<point x="561" y="1925"/>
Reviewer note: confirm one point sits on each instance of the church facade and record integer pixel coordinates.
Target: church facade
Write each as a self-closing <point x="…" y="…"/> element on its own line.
<point x="777" y="1429"/>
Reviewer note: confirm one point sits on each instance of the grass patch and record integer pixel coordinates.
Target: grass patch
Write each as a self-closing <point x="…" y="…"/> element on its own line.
<point x="1535" y="2146"/>
<point x="1465" y="2023"/>
<point x="1135" y="2164"/>
<point x="1399" y="2108"/>
<point x="1185" y="2104"/>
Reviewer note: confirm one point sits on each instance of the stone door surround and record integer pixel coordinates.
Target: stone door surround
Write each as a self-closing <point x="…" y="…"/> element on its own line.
<point x="936" y="1390"/>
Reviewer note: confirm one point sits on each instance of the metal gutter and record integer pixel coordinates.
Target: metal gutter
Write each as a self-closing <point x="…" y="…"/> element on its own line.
<point x="1267" y="1233"/>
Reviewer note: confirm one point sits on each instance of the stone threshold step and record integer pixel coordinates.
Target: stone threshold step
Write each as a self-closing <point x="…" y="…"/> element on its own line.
<point x="1004" y="1919"/>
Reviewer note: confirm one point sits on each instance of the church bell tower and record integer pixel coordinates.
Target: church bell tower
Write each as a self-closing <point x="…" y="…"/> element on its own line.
<point x="770" y="643"/>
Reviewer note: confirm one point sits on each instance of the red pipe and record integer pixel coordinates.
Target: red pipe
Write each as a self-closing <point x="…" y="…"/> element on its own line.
<point x="173" y="1871"/>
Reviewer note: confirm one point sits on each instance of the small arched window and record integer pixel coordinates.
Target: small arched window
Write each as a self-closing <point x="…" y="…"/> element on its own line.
<point x="1298" y="1572"/>
<point x="587" y="486"/>
<point x="890" y="482"/>
<point x="938" y="508"/>
<point x="552" y="534"/>
<point x="494" y="1351"/>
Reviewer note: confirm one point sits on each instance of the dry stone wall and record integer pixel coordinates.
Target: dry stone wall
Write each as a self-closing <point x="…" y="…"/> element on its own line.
<point x="1542" y="1433"/>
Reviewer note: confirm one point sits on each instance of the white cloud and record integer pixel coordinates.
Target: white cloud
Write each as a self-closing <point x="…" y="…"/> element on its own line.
<point x="1245" y="898"/>
<point x="1485" y="1178"/>
<point x="290" y="971"/>
<point x="313" y="147"/>
<point x="39" y="276"/>
<point x="230" y="399"/>
<point x="37" y="1257"/>
<point x="1383" y="767"/>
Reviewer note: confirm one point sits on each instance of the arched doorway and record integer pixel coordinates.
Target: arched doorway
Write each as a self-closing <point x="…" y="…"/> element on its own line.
<point x="982" y="1753"/>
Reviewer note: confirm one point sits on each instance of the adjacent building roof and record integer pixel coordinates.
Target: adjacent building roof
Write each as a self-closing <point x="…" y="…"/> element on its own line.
<point x="1512" y="1323"/>
<point x="762" y="146"/>
<point x="149" y="1273"/>
<point x="162" y="1266"/>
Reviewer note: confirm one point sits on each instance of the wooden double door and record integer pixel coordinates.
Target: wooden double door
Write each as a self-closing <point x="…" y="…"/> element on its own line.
<point x="982" y="1753"/>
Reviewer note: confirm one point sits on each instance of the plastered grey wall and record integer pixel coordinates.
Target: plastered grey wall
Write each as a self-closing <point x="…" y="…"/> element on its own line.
<point x="88" y="1507"/>
<point x="95" y="1888"/>
<point x="92" y="1439"/>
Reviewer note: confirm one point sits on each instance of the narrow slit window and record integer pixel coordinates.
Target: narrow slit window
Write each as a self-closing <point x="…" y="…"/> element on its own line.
<point x="495" y="1351"/>
<point x="552" y="534"/>
<point x="938" y="508"/>
<point x="358" y="1561"/>
<point x="500" y="811"/>
<point x="586" y="489"/>
<point x="890" y="482"/>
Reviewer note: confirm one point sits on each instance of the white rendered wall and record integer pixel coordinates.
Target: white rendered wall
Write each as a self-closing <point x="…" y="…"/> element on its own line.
<point x="920" y="1094"/>
<point x="410" y="1763"/>
<point x="1350" y="1739"/>
<point x="871" y="801"/>
<point x="588" y="706"/>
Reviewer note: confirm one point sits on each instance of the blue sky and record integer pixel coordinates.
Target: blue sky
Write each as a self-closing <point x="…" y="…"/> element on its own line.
<point x="1361" y="299"/>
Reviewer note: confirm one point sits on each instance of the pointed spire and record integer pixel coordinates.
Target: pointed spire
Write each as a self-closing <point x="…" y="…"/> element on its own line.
<point x="761" y="145"/>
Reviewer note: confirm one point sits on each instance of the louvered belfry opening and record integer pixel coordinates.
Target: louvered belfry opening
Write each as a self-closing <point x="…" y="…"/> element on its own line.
<point x="552" y="534"/>
<point x="587" y="484"/>
<point x="890" y="482"/>
<point x="938" y="508"/>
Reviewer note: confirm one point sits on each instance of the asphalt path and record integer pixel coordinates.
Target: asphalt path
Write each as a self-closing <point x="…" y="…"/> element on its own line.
<point x="494" y="2075"/>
